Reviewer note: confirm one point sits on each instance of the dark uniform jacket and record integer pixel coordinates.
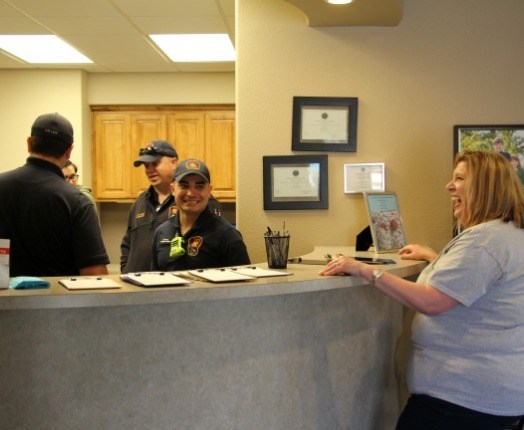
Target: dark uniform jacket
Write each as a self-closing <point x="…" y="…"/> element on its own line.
<point x="52" y="226"/>
<point x="145" y="216"/>
<point x="212" y="242"/>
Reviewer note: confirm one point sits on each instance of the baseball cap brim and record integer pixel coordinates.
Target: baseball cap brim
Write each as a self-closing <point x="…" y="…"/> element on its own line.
<point x="183" y="175"/>
<point x="146" y="159"/>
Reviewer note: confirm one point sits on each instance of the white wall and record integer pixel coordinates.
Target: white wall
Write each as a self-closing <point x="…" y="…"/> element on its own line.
<point x="448" y="62"/>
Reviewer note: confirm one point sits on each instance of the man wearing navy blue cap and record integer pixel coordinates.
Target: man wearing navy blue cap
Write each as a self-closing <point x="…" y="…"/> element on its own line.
<point x="53" y="227"/>
<point x="195" y="237"/>
<point x="151" y="208"/>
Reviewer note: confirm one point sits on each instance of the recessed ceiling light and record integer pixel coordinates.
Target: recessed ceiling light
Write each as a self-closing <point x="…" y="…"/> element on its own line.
<point x="195" y="47"/>
<point x="338" y="1"/>
<point x="41" y="49"/>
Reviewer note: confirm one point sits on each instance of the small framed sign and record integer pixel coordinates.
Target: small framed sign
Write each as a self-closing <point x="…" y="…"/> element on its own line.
<point x="362" y="177"/>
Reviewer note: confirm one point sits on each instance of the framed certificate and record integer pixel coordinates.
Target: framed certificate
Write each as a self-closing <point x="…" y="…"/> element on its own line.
<point x="362" y="177"/>
<point x="295" y="182"/>
<point x="325" y="124"/>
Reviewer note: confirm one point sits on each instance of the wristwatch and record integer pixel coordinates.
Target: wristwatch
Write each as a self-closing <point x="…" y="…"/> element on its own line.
<point x="377" y="274"/>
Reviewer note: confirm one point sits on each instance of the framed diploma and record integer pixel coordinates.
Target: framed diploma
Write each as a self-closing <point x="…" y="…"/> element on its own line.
<point x="295" y="182"/>
<point x="359" y="178"/>
<point x="325" y="124"/>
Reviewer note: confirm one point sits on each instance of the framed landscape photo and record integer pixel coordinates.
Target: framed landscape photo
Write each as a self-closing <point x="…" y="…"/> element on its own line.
<point x="325" y="124"/>
<point x="295" y="182"/>
<point x="507" y="139"/>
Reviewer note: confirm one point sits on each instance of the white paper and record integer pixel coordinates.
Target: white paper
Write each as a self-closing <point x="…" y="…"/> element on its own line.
<point x="325" y="124"/>
<point x="296" y="181"/>
<point x="4" y="263"/>
<point x="89" y="283"/>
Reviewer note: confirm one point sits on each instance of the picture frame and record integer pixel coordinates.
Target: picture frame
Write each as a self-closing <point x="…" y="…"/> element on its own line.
<point x="325" y="124"/>
<point x="295" y="182"/>
<point x="385" y="221"/>
<point x="362" y="177"/>
<point x="481" y="137"/>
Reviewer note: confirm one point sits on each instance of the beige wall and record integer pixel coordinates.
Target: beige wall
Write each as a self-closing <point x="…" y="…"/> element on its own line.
<point x="26" y="94"/>
<point x="448" y="62"/>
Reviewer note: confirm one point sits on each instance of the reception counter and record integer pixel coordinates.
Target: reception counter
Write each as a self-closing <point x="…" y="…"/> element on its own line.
<point x="296" y="352"/>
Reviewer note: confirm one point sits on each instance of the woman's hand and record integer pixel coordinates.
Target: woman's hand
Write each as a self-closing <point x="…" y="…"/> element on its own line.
<point x="343" y="266"/>
<point x="417" y="252"/>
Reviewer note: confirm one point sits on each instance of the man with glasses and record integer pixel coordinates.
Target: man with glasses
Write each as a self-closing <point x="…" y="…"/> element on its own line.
<point x="53" y="228"/>
<point x="151" y="208"/>
<point x="70" y="171"/>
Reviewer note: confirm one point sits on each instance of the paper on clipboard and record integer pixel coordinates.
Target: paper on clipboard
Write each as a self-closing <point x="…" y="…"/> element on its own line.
<point x="258" y="272"/>
<point x="231" y="274"/>
<point x="89" y="283"/>
<point x="154" y="279"/>
<point x="220" y="275"/>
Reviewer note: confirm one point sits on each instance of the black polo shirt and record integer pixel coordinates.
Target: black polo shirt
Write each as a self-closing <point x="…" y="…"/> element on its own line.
<point x="52" y="226"/>
<point x="212" y="242"/>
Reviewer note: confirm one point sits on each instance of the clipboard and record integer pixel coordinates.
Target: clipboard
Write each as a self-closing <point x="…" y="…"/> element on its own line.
<point x="231" y="274"/>
<point x="89" y="283"/>
<point x="220" y="275"/>
<point x="154" y="279"/>
<point x="258" y="272"/>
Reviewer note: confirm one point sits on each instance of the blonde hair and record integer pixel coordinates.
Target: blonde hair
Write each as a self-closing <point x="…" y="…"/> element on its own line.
<point x="493" y="190"/>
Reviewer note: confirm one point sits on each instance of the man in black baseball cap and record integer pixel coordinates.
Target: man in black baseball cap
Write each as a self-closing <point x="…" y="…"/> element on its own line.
<point x="195" y="237"/>
<point x="53" y="227"/>
<point x="151" y="208"/>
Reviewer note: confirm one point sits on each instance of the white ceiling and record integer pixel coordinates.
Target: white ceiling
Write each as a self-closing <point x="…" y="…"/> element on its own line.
<point x="113" y="33"/>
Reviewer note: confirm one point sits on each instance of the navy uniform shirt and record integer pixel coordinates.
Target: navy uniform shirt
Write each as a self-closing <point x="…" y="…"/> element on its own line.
<point x="212" y="242"/>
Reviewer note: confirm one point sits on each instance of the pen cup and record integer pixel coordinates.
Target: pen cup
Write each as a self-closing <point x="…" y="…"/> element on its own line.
<point x="277" y="248"/>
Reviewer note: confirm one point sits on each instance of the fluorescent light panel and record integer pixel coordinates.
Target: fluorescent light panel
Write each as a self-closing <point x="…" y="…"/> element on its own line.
<point x="41" y="49"/>
<point x="195" y="48"/>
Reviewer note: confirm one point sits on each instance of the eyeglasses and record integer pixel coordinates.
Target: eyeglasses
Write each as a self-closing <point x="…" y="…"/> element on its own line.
<point x="72" y="178"/>
<point x="151" y="150"/>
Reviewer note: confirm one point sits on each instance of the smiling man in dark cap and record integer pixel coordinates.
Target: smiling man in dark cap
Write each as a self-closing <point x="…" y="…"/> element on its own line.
<point x="151" y="208"/>
<point x="195" y="237"/>
<point x="53" y="227"/>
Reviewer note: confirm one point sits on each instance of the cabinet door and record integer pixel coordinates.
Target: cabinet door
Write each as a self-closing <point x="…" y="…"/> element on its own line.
<point x="144" y="129"/>
<point x="111" y="154"/>
<point x="186" y="133"/>
<point x="220" y="154"/>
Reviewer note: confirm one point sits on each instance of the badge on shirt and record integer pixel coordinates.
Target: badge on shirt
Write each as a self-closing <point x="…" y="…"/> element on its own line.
<point x="172" y="211"/>
<point x="193" y="245"/>
<point x="140" y="215"/>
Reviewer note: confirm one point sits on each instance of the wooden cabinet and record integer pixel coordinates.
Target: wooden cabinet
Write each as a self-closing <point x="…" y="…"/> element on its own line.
<point x="203" y="132"/>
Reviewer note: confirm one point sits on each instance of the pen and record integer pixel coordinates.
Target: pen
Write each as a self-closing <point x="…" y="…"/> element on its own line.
<point x="295" y="260"/>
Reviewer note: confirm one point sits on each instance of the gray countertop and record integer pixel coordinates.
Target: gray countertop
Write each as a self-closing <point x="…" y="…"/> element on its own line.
<point x="302" y="279"/>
